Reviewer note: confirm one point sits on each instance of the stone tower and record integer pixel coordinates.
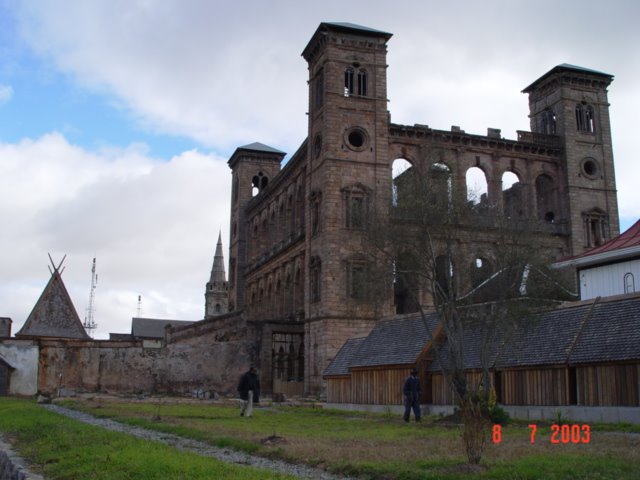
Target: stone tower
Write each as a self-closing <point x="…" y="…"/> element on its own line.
<point x="349" y="171"/>
<point x="252" y="167"/>
<point x="571" y="102"/>
<point x="217" y="290"/>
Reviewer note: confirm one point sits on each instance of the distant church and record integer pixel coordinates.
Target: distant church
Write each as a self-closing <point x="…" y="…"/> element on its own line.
<point x="217" y="290"/>
<point x="295" y="268"/>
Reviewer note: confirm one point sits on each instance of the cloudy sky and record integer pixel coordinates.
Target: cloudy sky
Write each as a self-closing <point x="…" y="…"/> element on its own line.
<point x="117" y="118"/>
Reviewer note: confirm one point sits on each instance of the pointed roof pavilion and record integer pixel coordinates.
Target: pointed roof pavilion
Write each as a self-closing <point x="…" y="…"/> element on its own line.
<point x="54" y="314"/>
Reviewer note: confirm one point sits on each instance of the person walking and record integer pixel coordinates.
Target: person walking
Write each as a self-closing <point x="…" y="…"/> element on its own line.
<point x="411" y="392"/>
<point x="249" y="390"/>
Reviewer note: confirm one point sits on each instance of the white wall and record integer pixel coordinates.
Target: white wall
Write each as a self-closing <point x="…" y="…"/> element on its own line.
<point x="608" y="280"/>
<point x="23" y="356"/>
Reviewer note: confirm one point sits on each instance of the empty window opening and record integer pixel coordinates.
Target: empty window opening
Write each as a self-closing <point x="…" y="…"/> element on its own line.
<point x="443" y="278"/>
<point x="319" y="90"/>
<point x="357" y="280"/>
<point x="259" y="183"/>
<point x="477" y="187"/>
<point x="585" y="118"/>
<point x="441" y="187"/>
<point x="546" y="198"/>
<point x="595" y="227"/>
<point x="362" y="82"/>
<point x="348" y="82"/>
<point x="548" y="122"/>
<point x="512" y="196"/>
<point x="400" y="179"/>
<point x="480" y="271"/>
<point x="405" y="285"/>
<point x="315" y="269"/>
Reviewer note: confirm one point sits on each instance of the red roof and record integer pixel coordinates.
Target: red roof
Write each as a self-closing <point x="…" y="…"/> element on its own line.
<point x="630" y="238"/>
<point x="620" y="247"/>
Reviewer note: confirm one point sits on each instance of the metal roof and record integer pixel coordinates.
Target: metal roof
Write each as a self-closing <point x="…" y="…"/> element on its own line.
<point x="153" y="327"/>
<point x="566" y="67"/>
<point x="261" y="147"/>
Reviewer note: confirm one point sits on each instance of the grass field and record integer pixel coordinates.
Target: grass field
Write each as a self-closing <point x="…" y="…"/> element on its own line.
<point x="370" y="446"/>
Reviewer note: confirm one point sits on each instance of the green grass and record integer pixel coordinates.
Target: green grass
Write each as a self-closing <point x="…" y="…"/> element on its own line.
<point x="61" y="448"/>
<point x="381" y="446"/>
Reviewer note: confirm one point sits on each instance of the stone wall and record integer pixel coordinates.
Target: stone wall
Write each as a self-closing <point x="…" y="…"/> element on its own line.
<point x="128" y="368"/>
<point x="23" y="356"/>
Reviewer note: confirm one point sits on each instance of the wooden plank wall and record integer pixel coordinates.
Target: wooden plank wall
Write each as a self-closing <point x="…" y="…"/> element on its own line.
<point x="441" y="394"/>
<point x="543" y="386"/>
<point x="380" y="386"/>
<point x="608" y="385"/>
<point x="339" y="390"/>
<point x="598" y="385"/>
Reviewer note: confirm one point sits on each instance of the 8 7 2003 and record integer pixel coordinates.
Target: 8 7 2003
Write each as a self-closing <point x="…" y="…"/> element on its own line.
<point x="558" y="433"/>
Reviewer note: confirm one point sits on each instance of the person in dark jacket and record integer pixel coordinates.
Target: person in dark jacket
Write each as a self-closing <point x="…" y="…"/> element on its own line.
<point x="249" y="390"/>
<point x="411" y="392"/>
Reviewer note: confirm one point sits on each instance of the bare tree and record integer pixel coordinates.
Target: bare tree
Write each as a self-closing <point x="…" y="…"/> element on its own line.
<point x="484" y="273"/>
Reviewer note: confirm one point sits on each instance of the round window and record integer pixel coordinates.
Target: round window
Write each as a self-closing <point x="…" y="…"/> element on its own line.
<point x="590" y="167"/>
<point x="357" y="139"/>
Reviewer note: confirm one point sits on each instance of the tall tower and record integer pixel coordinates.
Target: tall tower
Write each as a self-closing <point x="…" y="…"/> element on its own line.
<point x="217" y="293"/>
<point x="571" y="102"/>
<point x="252" y="167"/>
<point x="349" y="171"/>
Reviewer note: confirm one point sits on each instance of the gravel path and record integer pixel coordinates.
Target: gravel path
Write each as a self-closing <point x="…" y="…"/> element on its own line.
<point x="200" y="448"/>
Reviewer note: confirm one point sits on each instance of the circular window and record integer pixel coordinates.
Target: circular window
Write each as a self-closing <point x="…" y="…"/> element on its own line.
<point x="356" y="139"/>
<point x="590" y="167"/>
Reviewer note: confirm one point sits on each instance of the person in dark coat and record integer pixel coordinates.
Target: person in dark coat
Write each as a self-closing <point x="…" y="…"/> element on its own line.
<point x="249" y="390"/>
<point x="411" y="392"/>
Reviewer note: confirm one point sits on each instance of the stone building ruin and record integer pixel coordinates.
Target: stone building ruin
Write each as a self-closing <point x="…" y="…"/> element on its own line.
<point x="295" y="272"/>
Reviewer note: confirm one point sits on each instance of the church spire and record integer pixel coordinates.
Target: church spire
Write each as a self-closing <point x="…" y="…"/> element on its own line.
<point x="216" y="294"/>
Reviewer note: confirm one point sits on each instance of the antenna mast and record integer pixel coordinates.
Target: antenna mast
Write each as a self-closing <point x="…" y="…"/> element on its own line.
<point x="139" y="309"/>
<point x="89" y="320"/>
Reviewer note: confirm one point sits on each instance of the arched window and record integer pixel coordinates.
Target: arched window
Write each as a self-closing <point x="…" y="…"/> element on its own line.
<point x="546" y="199"/>
<point x="512" y="196"/>
<point x="548" y="121"/>
<point x="585" y="118"/>
<point x="349" y="82"/>
<point x="400" y="180"/>
<point x="259" y="183"/>
<point x="595" y="227"/>
<point x="477" y="187"/>
<point x="629" y="283"/>
<point x="355" y="206"/>
<point x="357" y="279"/>
<point x="315" y="269"/>
<point x="440" y="186"/>
<point x="444" y="278"/>
<point x="362" y="82"/>
<point x="480" y="271"/>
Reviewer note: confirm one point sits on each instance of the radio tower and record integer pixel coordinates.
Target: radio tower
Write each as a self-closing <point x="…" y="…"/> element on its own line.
<point x="89" y="320"/>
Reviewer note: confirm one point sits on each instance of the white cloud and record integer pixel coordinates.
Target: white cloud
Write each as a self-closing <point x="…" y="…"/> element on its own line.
<point x="152" y="225"/>
<point x="6" y="93"/>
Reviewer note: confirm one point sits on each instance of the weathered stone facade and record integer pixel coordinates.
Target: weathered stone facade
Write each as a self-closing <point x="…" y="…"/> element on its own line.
<point x="294" y="241"/>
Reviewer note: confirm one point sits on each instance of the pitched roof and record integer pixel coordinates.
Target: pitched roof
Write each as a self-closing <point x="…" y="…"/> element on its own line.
<point x="566" y="67"/>
<point x="153" y="327"/>
<point x="611" y="333"/>
<point x="260" y="147"/>
<point x="54" y="314"/>
<point x="344" y="357"/>
<point x="604" y="330"/>
<point x="625" y="245"/>
<point x="395" y="341"/>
